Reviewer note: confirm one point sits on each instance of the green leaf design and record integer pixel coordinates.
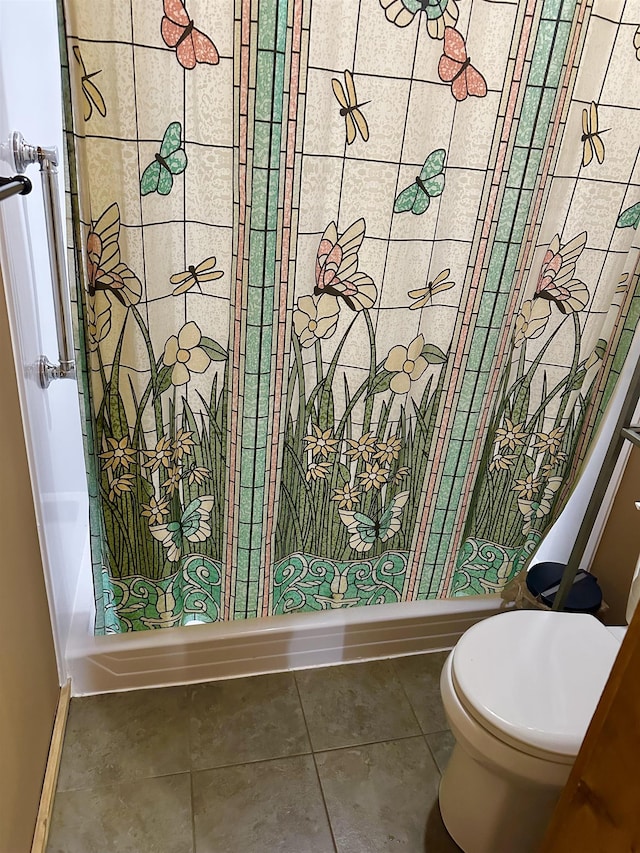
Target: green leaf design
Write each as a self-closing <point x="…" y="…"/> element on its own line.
<point x="381" y="382"/>
<point x="213" y="349"/>
<point x="578" y="379"/>
<point x="164" y="380"/>
<point x="433" y="354"/>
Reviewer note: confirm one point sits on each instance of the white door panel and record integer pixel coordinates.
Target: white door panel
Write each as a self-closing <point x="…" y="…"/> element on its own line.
<point x="30" y="102"/>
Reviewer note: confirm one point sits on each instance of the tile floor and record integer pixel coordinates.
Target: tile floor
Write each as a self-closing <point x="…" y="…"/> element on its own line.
<point x="345" y="758"/>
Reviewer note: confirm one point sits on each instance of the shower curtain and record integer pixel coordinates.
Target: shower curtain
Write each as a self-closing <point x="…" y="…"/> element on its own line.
<point x="355" y="281"/>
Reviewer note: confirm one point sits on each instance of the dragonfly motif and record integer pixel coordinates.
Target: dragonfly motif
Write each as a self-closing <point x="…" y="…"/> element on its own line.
<point x="350" y="109"/>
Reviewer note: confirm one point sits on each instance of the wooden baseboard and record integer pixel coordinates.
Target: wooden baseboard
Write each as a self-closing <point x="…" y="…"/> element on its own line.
<point x="45" y="810"/>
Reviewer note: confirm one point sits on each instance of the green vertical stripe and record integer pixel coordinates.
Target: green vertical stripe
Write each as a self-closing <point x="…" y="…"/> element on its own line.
<point x="530" y="132"/>
<point x="265" y="182"/>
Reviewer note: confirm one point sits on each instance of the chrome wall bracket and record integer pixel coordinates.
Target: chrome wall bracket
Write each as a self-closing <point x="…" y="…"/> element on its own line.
<point x="22" y="155"/>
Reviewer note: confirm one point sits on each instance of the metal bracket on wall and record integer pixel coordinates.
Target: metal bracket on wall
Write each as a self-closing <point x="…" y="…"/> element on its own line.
<point x="21" y="155"/>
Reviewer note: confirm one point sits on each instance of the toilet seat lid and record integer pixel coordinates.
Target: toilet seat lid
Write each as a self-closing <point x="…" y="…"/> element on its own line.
<point x="534" y="678"/>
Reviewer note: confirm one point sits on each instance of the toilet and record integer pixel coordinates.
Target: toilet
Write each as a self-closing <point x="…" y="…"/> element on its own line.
<point x="519" y="690"/>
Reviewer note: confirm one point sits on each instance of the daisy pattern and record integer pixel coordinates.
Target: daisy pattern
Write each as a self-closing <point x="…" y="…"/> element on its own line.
<point x="320" y="443"/>
<point x="195" y="474"/>
<point x="363" y="447"/>
<point x="502" y="462"/>
<point x="401" y="474"/>
<point x="160" y="456"/>
<point x="119" y="453"/>
<point x="317" y="471"/>
<point x="373" y="476"/>
<point x="510" y="435"/>
<point x="120" y="485"/>
<point x="155" y="510"/>
<point x="181" y="444"/>
<point x="527" y="487"/>
<point x="347" y="496"/>
<point x="171" y="484"/>
<point x="388" y="450"/>
<point x="550" y="441"/>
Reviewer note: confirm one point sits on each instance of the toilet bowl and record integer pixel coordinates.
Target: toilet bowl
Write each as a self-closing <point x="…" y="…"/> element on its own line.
<point x="519" y="690"/>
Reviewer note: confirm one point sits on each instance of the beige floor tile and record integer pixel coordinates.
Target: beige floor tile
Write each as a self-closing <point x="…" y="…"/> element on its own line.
<point x="355" y="703"/>
<point x="420" y="677"/>
<point x="153" y="816"/>
<point x="119" y="737"/>
<point x="383" y="796"/>
<point x="246" y="719"/>
<point x="441" y="745"/>
<point x="265" y="807"/>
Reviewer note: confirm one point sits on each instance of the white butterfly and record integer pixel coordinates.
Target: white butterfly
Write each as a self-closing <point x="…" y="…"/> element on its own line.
<point x="193" y="525"/>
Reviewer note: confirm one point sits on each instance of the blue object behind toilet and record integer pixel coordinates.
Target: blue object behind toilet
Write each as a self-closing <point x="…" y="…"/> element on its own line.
<point x="585" y="595"/>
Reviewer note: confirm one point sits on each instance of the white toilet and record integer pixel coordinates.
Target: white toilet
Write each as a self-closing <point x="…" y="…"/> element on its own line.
<point x="519" y="690"/>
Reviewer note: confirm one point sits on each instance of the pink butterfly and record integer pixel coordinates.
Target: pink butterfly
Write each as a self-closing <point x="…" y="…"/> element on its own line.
<point x="556" y="282"/>
<point x="337" y="267"/>
<point x="178" y="31"/>
<point x="455" y="68"/>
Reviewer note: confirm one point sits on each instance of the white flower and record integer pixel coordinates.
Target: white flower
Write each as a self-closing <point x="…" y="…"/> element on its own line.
<point x="184" y="354"/>
<point x="532" y="320"/>
<point x="407" y="363"/>
<point x="314" y="319"/>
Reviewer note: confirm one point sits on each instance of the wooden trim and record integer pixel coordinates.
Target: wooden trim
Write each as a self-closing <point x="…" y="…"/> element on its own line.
<point x="45" y="810"/>
<point x="598" y="809"/>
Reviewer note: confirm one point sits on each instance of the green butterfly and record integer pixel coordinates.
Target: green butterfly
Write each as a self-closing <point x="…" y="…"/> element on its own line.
<point x="428" y="184"/>
<point x="630" y="217"/>
<point x="193" y="525"/>
<point x="172" y="160"/>
<point x="365" y="531"/>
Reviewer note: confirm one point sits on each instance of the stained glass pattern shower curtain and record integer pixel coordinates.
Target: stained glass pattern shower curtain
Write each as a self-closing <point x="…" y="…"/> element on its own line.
<point x="355" y="281"/>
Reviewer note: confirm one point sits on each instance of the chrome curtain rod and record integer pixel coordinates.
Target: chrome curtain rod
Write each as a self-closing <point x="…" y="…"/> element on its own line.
<point x="18" y="185"/>
<point x="21" y="155"/>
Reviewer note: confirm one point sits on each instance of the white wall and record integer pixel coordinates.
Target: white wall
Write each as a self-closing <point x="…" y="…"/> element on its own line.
<point x="30" y="102"/>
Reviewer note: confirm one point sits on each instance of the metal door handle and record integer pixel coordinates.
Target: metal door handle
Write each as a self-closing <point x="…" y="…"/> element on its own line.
<point x="24" y="155"/>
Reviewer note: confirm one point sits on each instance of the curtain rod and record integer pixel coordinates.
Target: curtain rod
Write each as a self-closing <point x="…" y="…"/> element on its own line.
<point x="18" y="185"/>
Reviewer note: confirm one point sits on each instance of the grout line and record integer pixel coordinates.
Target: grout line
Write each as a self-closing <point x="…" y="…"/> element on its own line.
<point x="420" y="734"/>
<point x="431" y="753"/>
<point x="315" y="764"/>
<point x="251" y="761"/>
<point x="189" y="703"/>
<point x="404" y="690"/>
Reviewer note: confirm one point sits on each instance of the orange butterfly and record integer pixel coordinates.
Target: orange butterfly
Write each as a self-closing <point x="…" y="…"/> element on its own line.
<point x="178" y="31"/>
<point x="455" y="68"/>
